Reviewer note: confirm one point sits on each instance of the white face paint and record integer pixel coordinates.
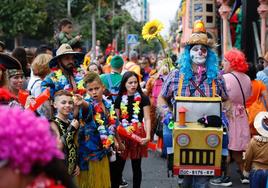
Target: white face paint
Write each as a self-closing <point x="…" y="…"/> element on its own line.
<point x="198" y="54"/>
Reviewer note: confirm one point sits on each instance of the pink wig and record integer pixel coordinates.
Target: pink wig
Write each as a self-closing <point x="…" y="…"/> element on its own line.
<point x="237" y="60"/>
<point x="25" y="140"/>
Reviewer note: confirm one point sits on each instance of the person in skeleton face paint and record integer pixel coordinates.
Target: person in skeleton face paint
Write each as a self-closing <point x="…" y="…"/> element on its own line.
<point x="198" y="54"/>
<point x="198" y="76"/>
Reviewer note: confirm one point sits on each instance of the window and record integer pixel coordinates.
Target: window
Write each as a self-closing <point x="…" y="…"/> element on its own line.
<point x="209" y="7"/>
<point x="198" y="7"/>
<point x="203" y="10"/>
<point x="209" y="19"/>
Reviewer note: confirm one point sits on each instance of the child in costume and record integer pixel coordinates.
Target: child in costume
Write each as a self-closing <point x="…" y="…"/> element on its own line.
<point x="256" y="158"/>
<point x="65" y="35"/>
<point x="64" y="105"/>
<point x="96" y="134"/>
<point x="132" y="106"/>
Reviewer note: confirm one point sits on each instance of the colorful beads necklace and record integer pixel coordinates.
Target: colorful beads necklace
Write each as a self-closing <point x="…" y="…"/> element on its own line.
<point x="106" y="133"/>
<point x="124" y="112"/>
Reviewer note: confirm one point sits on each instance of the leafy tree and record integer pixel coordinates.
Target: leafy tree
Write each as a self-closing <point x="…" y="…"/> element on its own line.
<point x="21" y="17"/>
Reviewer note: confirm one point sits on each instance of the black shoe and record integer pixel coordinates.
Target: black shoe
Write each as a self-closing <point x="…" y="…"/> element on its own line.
<point x="123" y="184"/>
<point x="222" y="181"/>
<point x="244" y="180"/>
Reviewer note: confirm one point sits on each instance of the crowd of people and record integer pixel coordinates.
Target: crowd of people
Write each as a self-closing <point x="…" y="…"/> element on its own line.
<point x="101" y="110"/>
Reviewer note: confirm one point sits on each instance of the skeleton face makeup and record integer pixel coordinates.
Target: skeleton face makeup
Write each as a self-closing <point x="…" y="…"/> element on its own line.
<point x="198" y="54"/>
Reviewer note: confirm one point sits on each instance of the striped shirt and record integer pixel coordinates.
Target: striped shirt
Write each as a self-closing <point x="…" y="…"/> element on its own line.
<point x="171" y="84"/>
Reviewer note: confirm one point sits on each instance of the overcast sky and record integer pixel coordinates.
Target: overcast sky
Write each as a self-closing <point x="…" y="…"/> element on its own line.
<point x="163" y="10"/>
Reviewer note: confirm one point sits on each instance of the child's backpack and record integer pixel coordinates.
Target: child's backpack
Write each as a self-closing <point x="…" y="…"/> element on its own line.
<point x="113" y="89"/>
<point x="157" y="89"/>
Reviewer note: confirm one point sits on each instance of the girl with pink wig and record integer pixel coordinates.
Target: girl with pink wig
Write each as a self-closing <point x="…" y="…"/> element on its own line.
<point x="238" y="86"/>
<point x="28" y="153"/>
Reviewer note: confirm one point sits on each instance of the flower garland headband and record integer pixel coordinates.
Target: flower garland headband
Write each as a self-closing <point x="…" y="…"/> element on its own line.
<point x="106" y="133"/>
<point x="124" y="112"/>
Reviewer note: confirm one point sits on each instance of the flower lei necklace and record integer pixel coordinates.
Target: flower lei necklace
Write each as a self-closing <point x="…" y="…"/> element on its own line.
<point x="124" y="112"/>
<point x="59" y="77"/>
<point x="106" y="133"/>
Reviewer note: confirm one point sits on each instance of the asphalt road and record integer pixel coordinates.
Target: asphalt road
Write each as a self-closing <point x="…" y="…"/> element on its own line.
<point x="155" y="174"/>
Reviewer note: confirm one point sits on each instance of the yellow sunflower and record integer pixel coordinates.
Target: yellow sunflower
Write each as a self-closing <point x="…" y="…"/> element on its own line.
<point x="151" y="29"/>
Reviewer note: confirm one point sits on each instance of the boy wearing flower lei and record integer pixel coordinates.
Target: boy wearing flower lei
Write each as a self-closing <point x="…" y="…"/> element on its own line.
<point x="133" y="108"/>
<point x="96" y="134"/>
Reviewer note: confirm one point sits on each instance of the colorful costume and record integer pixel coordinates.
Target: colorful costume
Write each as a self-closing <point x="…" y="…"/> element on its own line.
<point x="95" y="139"/>
<point x="203" y="81"/>
<point x="57" y="81"/>
<point x="67" y="133"/>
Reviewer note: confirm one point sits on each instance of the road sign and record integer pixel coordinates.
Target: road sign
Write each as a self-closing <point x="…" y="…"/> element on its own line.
<point x="132" y="39"/>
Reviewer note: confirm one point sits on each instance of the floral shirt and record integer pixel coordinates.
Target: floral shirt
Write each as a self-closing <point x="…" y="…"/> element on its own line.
<point x="57" y="81"/>
<point x="89" y="137"/>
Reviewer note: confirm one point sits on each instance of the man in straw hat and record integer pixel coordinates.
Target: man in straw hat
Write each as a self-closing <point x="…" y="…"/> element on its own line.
<point x="198" y="77"/>
<point x="256" y="158"/>
<point x="64" y="75"/>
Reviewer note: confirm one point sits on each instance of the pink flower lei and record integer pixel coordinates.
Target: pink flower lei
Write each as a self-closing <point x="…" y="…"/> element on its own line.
<point x="124" y="112"/>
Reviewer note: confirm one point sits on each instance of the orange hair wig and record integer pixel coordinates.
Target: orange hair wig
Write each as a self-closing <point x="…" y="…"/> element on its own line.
<point x="237" y="60"/>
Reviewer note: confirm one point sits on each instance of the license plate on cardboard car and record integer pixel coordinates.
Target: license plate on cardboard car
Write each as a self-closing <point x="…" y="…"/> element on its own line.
<point x="196" y="172"/>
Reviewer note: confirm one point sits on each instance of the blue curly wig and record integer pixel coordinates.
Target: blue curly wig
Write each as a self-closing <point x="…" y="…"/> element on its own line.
<point x="185" y="64"/>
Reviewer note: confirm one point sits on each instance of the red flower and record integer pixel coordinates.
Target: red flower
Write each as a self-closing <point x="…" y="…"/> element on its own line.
<point x="112" y="121"/>
<point x="124" y="116"/>
<point x="98" y="108"/>
<point x="138" y="98"/>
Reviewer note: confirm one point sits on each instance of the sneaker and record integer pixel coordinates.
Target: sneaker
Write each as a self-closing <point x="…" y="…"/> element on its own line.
<point x="123" y="184"/>
<point x="244" y="180"/>
<point x="222" y="181"/>
<point x="180" y="180"/>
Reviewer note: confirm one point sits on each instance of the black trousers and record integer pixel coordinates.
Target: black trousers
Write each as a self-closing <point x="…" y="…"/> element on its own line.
<point x="116" y="171"/>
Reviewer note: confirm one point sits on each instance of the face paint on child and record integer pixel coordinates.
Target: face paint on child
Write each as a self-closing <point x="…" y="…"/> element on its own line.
<point x="198" y="54"/>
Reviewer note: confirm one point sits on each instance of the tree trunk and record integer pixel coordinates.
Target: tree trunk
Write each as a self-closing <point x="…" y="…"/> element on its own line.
<point x="17" y="41"/>
<point x="93" y="21"/>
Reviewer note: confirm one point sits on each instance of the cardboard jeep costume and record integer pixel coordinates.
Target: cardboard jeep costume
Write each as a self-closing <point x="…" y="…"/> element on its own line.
<point x="197" y="149"/>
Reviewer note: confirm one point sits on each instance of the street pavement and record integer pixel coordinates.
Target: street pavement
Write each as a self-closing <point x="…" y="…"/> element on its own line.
<point x="154" y="174"/>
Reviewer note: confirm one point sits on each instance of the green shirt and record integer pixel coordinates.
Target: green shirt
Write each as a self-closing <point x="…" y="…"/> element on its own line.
<point x="115" y="78"/>
<point x="63" y="38"/>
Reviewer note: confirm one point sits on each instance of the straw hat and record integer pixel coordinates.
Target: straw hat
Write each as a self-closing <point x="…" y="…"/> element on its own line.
<point x="261" y="123"/>
<point x="199" y="35"/>
<point x="66" y="49"/>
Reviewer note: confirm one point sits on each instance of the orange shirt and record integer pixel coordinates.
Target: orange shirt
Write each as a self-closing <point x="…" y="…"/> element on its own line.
<point x="257" y="88"/>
